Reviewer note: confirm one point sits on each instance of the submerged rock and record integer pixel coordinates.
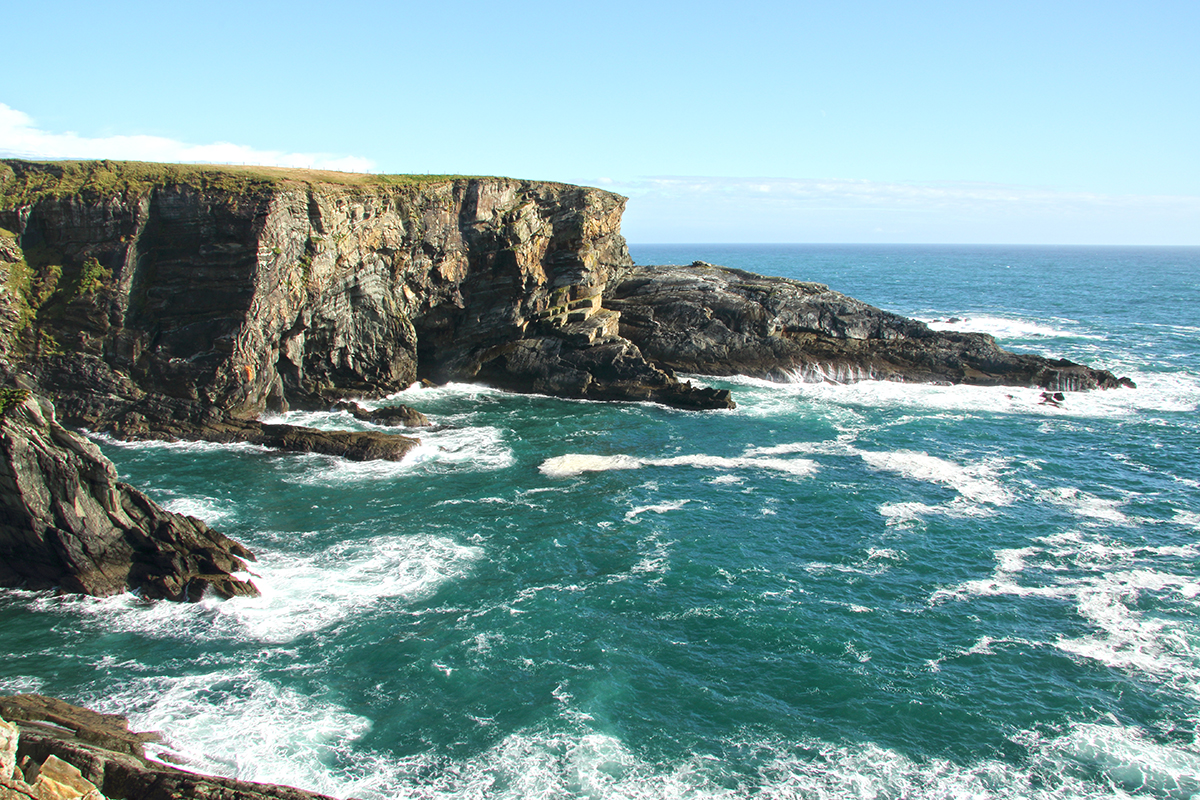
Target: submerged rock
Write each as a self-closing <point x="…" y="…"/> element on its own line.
<point x="720" y="321"/>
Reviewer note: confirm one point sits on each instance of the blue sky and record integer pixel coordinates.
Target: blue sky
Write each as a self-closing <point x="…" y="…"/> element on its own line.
<point x="1047" y="122"/>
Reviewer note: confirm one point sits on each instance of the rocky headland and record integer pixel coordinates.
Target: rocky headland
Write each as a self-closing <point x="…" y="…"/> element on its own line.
<point x="719" y="321"/>
<point x="155" y="301"/>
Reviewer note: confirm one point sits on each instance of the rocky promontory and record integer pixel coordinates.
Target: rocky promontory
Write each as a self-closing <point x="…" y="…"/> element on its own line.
<point x="160" y="300"/>
<point x="720" y="321"/>
<point x="67" y="522"/>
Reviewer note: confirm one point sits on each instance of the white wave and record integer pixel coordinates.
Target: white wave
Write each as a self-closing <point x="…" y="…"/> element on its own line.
<point x="1010" y="327"/>
<point x="911" y="514"/>
<point x="1189" y="518"/>
<point x="1014" y="560"/>
<point x="238" y="724"/>
<point x="1132" y="640"/>
<point x="976" y="483"/>
<point x="1162" y="392"/>
<point x="1085" y="505"/>
<point x="1123" y="636"/>
<point x="726" y="480"/>
<point x="1129" y="759"/>
<point x="482" y="448"/>
<point x="21" y="684"/>
<point x="659" y="508"/>
<point x="300" y="594"/>
<point x="573" y="464"/>
<point x="185" y="446"/>
<point x="209" y="509"/>
<point x="547" y="764"/>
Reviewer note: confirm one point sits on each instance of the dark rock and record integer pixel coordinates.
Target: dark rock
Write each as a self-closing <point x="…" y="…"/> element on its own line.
<point x="207" y="293"/>
<point x="395" y="416"/>
<point x="719" y="321"/>
<point x="67" y="522"/>
<point x="612" y="369"/>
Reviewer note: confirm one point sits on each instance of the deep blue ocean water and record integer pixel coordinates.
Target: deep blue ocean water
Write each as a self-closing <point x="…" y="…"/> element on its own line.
<point x="871" y="590"/>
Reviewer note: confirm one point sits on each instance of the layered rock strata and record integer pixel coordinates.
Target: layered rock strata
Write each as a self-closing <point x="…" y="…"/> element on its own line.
<point x="52" y="750"/>
<point x="719" y="321"/>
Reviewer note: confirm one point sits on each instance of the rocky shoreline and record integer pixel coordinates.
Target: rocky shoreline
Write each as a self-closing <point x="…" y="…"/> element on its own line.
<point x="153" y="301"/>
<point x="52" y="750"/>
<point x="715" y="320"/>
<point x="157" y="301"/>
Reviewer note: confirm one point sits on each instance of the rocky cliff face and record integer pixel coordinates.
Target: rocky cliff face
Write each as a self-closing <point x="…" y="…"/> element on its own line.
<point x="719" y="321"/>
<point x="67" y="522"/>
<point x="160" y="299"/>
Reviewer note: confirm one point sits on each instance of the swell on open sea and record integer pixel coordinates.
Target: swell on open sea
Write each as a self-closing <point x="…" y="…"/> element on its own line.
<point x="873" y="590"/>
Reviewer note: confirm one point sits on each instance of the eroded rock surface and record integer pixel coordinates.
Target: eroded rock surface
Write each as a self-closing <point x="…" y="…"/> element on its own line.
<point x="175" y="294"/>
<point x="720" y="321"/>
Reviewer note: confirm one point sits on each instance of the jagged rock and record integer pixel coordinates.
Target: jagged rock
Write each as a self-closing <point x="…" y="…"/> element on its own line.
<point x="395" y="416"/>
<point x="613" y="369"/>
<point x="75" y="748"/>
<point x="67" y="522"/>
<point x="720" y="321"/>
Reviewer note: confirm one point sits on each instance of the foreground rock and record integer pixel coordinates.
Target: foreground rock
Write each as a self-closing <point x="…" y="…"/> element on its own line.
<point x="57" y="751"/>
<point x="720" y="321"/>
<point x="67" y="522"/>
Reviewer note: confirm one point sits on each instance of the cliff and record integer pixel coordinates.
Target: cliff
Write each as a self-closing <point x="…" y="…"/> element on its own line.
<point x="66" y="521"/>
<point x="720" y="321"/>
<point x="164" y="299"/>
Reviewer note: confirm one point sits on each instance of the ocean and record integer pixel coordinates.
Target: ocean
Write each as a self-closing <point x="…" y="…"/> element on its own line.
<point x="874" y="590"/>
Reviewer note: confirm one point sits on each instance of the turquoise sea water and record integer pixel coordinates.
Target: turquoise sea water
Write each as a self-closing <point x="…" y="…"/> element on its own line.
<point x="873" y="590"/>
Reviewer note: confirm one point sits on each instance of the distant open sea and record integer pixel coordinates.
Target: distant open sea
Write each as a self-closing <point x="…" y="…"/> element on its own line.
<point x="875" y="590"/>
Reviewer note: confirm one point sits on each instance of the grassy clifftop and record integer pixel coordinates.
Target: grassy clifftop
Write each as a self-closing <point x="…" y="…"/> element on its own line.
<point x="23" y="182"/>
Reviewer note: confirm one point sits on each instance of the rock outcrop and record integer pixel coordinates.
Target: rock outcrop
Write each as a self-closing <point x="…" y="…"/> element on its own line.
<point x="52" y="750"/>
<point x="67" y="522"/>
<point x="719" y="321"/>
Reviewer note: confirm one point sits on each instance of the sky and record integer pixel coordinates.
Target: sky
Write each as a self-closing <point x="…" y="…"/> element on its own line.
<point x="858" y="121"/>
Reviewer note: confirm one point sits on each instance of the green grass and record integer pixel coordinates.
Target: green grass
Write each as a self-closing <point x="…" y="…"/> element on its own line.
<point x="24" y="182"/>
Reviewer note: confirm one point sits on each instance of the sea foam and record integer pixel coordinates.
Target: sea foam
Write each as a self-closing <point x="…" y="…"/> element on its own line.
<point x="574" y="464"/>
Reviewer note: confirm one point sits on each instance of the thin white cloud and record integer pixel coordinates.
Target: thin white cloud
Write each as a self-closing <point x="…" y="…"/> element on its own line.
<point x="20" y="137"/>
<point x="716" y="209"/>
